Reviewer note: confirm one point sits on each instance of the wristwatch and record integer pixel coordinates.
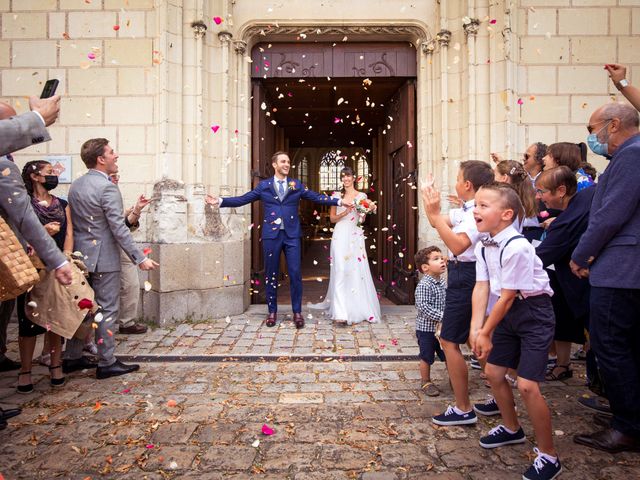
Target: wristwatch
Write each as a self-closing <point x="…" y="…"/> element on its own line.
<point x="624" y="83"/>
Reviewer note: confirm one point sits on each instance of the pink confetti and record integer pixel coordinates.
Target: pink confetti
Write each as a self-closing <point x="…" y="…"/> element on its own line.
<point x="126" y="390"/>
<point x="394" y="341"/>
<point x="91" y="56"/>
<point x="150" y="445"/>
<point x="493" y="22"/>
<point x="266" y="430"/>
<point x="215" y="128"/>
<point x="217" y="20"/>
<point x="382" y="345"/>
<point x="116" y="27"/>
<point x="544" y="214"/>
<point x="520" y="101"/>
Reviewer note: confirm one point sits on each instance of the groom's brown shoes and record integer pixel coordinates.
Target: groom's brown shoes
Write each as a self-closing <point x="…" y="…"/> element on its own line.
<point x="298" y="320"/>
<point x="271" y="319"/>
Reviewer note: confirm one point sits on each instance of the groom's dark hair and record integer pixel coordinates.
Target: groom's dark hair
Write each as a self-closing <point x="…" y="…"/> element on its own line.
<point x="274" y="157"/>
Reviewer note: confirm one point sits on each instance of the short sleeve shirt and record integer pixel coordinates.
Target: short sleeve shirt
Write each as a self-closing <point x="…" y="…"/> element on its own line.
<point x="465" y="223"/>
<point x="521" y="268"/>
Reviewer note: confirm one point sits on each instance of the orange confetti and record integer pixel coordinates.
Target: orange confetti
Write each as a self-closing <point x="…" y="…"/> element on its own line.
<point x="172" y="403"/>
<point x="97" y="407"/>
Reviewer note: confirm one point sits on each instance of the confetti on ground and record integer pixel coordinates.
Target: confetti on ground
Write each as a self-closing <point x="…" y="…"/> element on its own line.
<point x="172" y="403"/>
<point x="266" y="430"/>
<point x="147" y="285"/>
<point x="256" y="443"/>
<point x="97" y="407"/>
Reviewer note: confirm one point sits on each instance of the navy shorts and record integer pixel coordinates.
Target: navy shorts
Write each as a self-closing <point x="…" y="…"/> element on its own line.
<point x="522" y="339"/>
<point x="429" y="346"/>
<point x="456" y="320"/>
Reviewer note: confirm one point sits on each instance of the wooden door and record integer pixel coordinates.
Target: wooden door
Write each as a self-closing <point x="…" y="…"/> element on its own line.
<point x="398" y="235"/>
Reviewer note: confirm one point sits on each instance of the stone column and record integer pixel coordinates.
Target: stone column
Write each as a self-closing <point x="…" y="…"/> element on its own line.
<point x="470" y="26"/>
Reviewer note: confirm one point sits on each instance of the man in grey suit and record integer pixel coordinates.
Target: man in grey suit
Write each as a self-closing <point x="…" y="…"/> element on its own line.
<point x="99" y="232"/>
<point x="15" y="203"/>
<point x="608" y="254"/>
<point x="21" y="131"/>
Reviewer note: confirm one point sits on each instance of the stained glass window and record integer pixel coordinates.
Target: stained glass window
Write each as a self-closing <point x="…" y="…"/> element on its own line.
<point x="362" y="172"/>
<point x="330" y="166"/>
<point x="303" y="170"/>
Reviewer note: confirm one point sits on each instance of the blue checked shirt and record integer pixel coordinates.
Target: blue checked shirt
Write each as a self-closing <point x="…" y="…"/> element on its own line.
<point x="430" y="296"/>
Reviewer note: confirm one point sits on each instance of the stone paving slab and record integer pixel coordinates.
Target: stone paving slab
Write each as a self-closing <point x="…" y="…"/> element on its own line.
<point x="203" y="421"/>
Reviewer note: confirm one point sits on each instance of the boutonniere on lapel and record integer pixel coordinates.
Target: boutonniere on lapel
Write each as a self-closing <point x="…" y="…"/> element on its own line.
<point x="292" y="185"/>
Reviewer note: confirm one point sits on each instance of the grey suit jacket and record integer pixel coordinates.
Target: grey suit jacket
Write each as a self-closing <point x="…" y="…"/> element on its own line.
<point x="21" y="131"/>
<point x="16" y="209"/>
<point x="99" y="230"/>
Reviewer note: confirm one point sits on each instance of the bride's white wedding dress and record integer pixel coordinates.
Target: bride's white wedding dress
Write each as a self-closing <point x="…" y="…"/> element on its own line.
<point x="351" y="296"/>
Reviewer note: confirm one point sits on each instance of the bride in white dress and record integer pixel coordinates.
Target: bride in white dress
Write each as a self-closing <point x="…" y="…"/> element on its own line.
<point x="351" y="296"/>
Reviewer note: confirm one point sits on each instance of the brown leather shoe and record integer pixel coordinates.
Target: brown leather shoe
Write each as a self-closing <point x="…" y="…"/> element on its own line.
<point x="135" y="329"/>
<point x="609" y="440"/>
<point x="298" y="320"/>
<point x="272" y="318"/>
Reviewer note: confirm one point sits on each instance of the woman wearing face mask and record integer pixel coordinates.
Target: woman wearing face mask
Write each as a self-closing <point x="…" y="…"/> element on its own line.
<point x="54" y="214"/>
<point x="558" y="190"/>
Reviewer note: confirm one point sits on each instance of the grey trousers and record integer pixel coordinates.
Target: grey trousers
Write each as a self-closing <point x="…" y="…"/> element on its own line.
<point x="129" y="291"/>
<point x="106" y="286"/>
<point x="6" y="309"/>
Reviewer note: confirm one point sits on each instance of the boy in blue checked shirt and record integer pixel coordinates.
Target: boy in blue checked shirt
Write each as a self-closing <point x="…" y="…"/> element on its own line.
<point x="430" y="296"/>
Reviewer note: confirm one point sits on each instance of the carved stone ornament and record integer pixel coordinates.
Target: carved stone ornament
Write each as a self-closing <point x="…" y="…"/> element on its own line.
<point x="415" y="33"/>
<point x="225" y="37"/>
<point x="470" y="26"/>
<point x="199" y="28"/>
<point x="443" y="37"/>
<point x="429" y="47"/>
<point x="240" y="47"/>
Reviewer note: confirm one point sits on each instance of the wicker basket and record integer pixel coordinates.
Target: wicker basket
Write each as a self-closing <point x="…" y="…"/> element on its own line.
<point x="17" y="273"/>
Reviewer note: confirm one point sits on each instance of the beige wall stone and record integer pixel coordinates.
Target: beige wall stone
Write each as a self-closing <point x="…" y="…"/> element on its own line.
<point x="582" y="106"/>
<point x="35" y="54"/>
<point x="24" y="25"/>
<point x="5" y="56"/>
<point x="132" y="24"/>
<point x="620" y="21"/>
<point x="93" y="81"/>
<point x="629" y="49"/>
<point x="542" y="22"/>
<point x="81" y="111"/>
<point x="583" y="21"/>
<point x="635" y="21"/>
<point x="128" y="52"/>
<point x="131" y="81"/>
<point x="92" y="24"/>
<point x="128" y="110"/>
<point x="57" y="25"/>
<point x="546" y="109"/>
<point x="592" y="49"/>
<point x="22" y="82"/>
<point x="79" y="135"/>
<point x="30" y="5"/>
<point x="131" y="140"/>
<point x="593" y="3"/>
<point x="544" y="3"/>
<point x="542" y="79"/>
<point x="536" y="50"/>
<point x="79" y="5"/>
<point x="128" y="4"/>
<point x="5" y="5"/>
<point x="75" y="53"/>
<point x="582" y="80"/>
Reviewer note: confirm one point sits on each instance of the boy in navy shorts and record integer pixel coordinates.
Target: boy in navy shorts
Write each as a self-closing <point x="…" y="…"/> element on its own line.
<point x="430" y="295"/>
<point x="459" y="233"/>
<point x="520" y="326"/>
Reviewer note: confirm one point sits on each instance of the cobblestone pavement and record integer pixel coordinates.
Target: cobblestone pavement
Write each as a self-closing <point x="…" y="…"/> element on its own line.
<point x="332" y="419"/>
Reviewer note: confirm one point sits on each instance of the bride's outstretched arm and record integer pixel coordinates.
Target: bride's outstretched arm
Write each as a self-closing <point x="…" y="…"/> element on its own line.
<point x="335" y="217"/>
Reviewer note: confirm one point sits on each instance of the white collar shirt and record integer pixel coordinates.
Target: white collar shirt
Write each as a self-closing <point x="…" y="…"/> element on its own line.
<point x="465" y="223"/>
<point x="521" y="268"/>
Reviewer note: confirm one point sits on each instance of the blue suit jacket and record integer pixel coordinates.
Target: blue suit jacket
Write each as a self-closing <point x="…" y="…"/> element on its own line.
<point x="613" y="236"/>
<point x="277" y="212"/>
<point x="562" y="237"/>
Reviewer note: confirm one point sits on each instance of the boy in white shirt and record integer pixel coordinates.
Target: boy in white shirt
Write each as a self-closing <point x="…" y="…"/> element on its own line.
<point x="460" y="234"/>
<point x="520" y="327"/>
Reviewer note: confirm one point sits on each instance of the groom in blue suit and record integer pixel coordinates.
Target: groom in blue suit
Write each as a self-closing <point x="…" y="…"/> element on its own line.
<point x="281" y="229"/>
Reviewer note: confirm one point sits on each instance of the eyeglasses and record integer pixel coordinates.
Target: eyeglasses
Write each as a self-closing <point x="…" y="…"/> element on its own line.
<point x="590" y="128"/>
<point x="540" y="191"/>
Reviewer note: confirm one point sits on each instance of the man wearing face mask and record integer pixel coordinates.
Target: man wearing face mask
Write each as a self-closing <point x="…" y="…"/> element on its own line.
<point x="608" y="255"/>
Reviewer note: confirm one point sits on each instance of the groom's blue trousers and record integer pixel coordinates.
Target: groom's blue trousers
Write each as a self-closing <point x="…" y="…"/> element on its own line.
<point x="272" y="247"/>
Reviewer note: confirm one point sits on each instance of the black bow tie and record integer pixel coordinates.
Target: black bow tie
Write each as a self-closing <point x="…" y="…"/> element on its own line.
<point x="466" y="207"/>
<point x="487" y="242"/>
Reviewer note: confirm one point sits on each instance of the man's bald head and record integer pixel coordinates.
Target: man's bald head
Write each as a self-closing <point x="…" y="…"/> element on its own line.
<point x="627" y="114"/>
<point x="6" y="111"/>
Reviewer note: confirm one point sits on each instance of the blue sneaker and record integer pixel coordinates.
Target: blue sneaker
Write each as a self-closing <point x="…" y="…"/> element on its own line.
<point x="474" y="363"/>
<point x="450" y="417"/>
<point x="488" y="408"/>
<point x="542" y="468"/>
<point x="499" y="437"/>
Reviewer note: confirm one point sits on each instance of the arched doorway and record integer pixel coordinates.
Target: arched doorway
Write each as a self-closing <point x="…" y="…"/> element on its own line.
<point x="329" y="105"/>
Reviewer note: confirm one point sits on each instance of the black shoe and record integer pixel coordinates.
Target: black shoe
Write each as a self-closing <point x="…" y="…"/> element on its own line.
<point x="73" y="365"/>
<point x="9" y="413"/>
<point x="602" y="421"/>
<point x="6" y="365"/>
<point x="3" y="424"/>
<point x="27" y="388"/>
<point x="57" y="382"/>
<point x="596" y="403"/>
<point x="115" y="369"/>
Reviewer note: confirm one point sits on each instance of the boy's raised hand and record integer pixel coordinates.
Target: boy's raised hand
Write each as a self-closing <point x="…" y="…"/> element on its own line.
<point x="431" y="200"/>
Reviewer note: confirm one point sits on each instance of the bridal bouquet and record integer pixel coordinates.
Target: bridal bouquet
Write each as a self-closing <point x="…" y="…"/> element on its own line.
<point x="364" y="207"/>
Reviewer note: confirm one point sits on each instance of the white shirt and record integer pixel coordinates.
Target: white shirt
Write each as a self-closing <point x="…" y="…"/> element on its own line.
<point x="462" y="221"/>
<point x="521" y="268"/>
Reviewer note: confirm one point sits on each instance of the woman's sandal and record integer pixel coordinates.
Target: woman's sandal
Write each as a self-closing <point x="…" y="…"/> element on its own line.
<point x="57" y="382"/>
<point x="25" y="388"/>
<point x="552" y="377"/>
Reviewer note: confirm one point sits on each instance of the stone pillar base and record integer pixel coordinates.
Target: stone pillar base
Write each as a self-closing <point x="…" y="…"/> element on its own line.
<point x="197" y="281"/>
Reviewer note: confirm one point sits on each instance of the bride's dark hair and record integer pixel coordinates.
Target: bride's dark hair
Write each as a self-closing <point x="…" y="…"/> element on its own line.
<point x="347" y="171"/>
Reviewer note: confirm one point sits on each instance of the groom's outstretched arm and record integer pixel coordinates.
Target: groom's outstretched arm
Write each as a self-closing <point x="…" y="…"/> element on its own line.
<point x="248" y="197"/>
<point x="319" y="197"/>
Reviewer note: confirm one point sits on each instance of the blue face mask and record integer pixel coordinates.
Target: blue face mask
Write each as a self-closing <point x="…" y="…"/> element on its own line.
<point x="595" y="145"/>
